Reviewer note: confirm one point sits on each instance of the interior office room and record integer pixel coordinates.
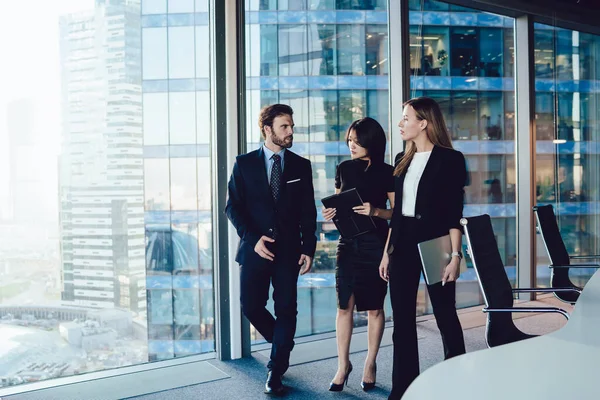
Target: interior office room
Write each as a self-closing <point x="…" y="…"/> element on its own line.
<point x="120" y="122"/>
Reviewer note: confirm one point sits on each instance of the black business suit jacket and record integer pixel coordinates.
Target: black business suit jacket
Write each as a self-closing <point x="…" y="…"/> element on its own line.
<point x="254" y="213"/>
<point x="440" y="195"/>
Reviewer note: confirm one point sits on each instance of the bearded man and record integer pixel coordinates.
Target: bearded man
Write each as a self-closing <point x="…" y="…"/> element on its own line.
<point x="271" y="205"/>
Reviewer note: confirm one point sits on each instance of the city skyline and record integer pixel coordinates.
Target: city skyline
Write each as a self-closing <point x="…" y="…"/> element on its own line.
<point x="33" y="74"/>
<point x="101" y="165"/>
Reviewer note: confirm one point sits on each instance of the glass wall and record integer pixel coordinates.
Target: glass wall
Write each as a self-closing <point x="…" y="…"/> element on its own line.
<point x="464" y="59"/>
<point x="105" y="195"/>
<point x="328" y="61"/>
<point x="177" y="171"/>
<point x="567" y="164"/>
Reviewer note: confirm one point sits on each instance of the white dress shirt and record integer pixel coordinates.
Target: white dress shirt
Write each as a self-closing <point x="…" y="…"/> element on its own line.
<point x="411" y="182"/>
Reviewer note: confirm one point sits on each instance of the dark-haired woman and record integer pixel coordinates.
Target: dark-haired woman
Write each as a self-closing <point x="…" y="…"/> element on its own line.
<point x="357" y="275"/>
<point x="430" y="178"/>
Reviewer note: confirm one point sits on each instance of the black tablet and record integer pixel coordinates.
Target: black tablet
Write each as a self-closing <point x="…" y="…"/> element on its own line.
<point x="349" y="223"/>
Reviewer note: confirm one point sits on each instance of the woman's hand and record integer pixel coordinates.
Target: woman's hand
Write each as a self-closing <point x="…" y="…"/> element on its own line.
<point x="329" y="213"/>
<point x="365" y="209"/>
<point x="384" y="267"/>
<point x="451" y="271"/>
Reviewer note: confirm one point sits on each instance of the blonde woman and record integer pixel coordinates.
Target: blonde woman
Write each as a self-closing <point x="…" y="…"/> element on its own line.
<point x="429" y="189"/>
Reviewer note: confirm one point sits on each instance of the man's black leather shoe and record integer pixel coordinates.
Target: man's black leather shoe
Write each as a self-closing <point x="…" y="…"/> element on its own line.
<point x="273" y="384"/>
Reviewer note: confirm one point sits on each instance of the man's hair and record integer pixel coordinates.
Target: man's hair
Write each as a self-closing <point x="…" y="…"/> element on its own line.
<point x="269" y="113"/>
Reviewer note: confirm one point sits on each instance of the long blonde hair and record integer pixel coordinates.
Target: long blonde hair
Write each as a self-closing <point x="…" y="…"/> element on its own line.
<point x="426" y="109"/>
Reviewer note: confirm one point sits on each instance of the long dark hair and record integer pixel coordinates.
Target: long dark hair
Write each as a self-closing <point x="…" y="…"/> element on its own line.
<point x="427" y="109"/>
<point x="370" y="136"/>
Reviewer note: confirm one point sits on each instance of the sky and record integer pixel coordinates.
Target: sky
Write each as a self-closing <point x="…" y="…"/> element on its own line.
<point x="30" y="68"/>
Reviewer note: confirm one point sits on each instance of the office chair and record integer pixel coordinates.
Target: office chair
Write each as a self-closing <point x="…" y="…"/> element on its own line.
<point x="560" y="260"/>
<point x="495" y="286"/>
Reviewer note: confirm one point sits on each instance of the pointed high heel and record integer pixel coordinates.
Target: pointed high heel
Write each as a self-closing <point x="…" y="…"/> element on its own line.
<point x="366" y="386"/>
<point x="335" y="387"/>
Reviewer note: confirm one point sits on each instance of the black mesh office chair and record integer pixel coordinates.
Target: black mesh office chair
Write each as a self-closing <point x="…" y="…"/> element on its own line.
<point x="495" y="286"/>
<point x="560" y="260"/>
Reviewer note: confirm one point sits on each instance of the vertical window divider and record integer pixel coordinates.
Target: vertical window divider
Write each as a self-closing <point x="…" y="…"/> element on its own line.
<point x="525" y="152"/>
<point x="227" y="44"/>
<point x="399" y="56"/>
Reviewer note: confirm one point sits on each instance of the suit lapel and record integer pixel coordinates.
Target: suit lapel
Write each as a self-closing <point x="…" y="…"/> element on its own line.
<point x="400" y="189"/>
<point x="429" y="173"/>
<point x="288" y="171"/>
<point x="263" y="179"/>
<point x="289" y="165"/>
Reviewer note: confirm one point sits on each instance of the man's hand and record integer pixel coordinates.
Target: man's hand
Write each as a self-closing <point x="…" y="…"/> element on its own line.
<point x="451" y="271"/>
<point x="261" y="248"/>
<point x="307" y="261"/>
<point x="384" y="271"/>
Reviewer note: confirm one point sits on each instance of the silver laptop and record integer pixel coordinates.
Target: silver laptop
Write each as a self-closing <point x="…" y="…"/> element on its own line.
<point x="435" y="256"/>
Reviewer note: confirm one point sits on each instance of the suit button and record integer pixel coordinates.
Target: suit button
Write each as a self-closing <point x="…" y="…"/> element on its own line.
<point x="270" y="229"/>
<point x="418" y="216"/>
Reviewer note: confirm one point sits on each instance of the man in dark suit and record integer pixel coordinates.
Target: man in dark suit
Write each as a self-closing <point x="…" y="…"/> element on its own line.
<point x="271" y="205"/>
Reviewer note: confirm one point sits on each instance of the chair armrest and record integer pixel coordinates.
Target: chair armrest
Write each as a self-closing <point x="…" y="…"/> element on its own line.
<point x="529" y="310"/>
<point x="578" y="265"/>
<point x="545" y="290"/>
<point x="585" y="257"/>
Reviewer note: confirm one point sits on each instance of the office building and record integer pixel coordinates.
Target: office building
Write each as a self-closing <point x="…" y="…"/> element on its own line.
<point x="160" y="96"/>
<point x="101" y="165"/>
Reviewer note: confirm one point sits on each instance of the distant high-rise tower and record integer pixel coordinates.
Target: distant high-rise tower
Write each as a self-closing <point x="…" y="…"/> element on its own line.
<point x="101" y="164"/>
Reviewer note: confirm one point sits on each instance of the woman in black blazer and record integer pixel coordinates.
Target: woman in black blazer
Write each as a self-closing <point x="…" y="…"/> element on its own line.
<point x="429" y="187"/>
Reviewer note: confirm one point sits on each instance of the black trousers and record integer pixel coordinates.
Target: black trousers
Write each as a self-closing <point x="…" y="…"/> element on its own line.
<point x="281" y="328"/>
<point x="404" y="275"/>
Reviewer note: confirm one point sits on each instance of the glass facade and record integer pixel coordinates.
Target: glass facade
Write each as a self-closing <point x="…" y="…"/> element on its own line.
<point x="106" y="207"/>
<point x="106" y="173"/>
<point x="329" y="61"/>
<point x="567" y="82"/>
<point x="177" y="170"/>
<point x="464" y="59"/>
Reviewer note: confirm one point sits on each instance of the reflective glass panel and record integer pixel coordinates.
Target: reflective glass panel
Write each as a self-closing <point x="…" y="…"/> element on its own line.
<point x="567" y="146"/>
<point x="466" y="65"/>
<point x="105" y="244"/>
<point x="331" y="72"/>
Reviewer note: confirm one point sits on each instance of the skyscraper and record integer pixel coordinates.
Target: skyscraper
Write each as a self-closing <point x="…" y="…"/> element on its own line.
<point x="101" y="165"/>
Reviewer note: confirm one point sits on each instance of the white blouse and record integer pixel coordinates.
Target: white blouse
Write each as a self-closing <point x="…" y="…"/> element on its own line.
<point x="411" y="182"/>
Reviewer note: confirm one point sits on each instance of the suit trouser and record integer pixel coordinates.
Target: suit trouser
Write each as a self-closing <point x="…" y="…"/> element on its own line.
<point x="278" y="330"/>
<point x="404" y="275"/>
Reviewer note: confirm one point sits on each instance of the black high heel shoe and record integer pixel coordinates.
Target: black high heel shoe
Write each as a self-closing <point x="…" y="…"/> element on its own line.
<point x="335" y="387"/>
<point x="366" y="386"/>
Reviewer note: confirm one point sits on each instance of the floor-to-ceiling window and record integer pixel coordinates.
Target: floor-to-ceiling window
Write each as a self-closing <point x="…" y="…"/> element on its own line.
<point x="567" y="114"/>
<point x="328" y="61"/>
<point x="464" y="59"/>
<point x="177" y="177"/>
<point x="105" y="195"/>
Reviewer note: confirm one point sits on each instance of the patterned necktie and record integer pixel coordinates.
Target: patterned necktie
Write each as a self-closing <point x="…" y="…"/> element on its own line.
<point x="276" y="177"/>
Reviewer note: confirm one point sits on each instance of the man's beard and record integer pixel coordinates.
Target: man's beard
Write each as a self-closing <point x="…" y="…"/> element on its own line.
<point x="283" y="143"/>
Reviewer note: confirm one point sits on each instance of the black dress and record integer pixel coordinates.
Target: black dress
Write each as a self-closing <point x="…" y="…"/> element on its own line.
<point x="357" y="270"/>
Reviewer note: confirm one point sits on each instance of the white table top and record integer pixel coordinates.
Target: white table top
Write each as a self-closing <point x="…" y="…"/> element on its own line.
<point x="561" y="365"/>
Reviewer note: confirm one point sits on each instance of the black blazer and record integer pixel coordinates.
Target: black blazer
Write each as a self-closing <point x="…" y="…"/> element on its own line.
<point x="253" y="212"/>
<point x="440" y="195"/>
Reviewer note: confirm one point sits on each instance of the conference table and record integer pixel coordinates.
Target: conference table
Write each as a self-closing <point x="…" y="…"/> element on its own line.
<point x="564" y="364"/>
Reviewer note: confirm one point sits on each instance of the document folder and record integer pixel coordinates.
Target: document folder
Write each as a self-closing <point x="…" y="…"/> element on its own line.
<point x="435" y="256"/>
<point x="349" y="223"/>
